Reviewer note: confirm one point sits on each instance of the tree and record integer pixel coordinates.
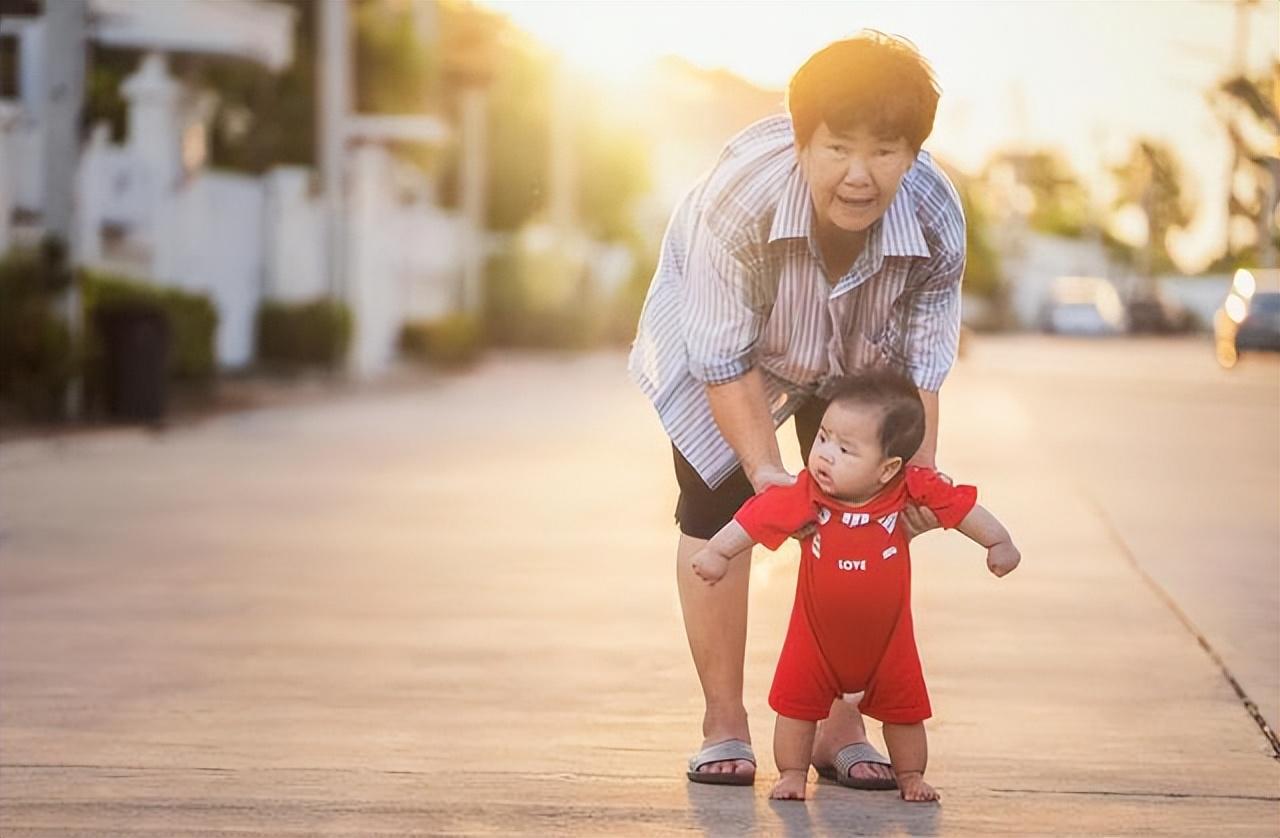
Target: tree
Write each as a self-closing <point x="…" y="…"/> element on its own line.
<point x="1061" y="201"/>
<point x="612" y="163"/>
<point x="1058" y="201"/>
<point x="1151" y="180"/>
<point x="1247" y="109"/>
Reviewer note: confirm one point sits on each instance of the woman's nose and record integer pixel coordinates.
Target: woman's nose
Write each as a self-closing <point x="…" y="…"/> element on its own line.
<point x="858" y="172"/>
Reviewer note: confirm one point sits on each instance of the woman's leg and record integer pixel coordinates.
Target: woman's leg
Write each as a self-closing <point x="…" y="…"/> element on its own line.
<point x="715" y="621"/>
<point x="715" y="616"/>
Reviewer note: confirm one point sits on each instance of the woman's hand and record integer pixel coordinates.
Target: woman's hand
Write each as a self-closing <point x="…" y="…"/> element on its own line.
<point x="919" y="519"/>
<point x="770" y="475"/>
<point x="773" y="475"/>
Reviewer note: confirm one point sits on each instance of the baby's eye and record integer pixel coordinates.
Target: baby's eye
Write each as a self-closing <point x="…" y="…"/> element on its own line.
<point x="844" y="450"/>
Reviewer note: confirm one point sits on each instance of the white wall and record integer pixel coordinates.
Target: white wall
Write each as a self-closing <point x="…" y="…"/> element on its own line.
<point x="219" y="233"/>
<point x="404" y="261"/>
<point x="295" y="269"/>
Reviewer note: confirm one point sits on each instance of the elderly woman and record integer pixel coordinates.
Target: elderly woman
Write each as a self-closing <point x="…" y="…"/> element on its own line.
<point x="820" y="243"/>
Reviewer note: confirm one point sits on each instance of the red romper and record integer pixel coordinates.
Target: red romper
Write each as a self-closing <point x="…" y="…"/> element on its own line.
<point x="850" y="626"/>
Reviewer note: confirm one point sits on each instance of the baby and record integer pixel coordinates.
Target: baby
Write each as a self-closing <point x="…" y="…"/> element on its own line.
<point x="850" y="628"/>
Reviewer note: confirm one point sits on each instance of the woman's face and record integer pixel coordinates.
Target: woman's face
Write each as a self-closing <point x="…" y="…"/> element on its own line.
<point x="853" y="176"/>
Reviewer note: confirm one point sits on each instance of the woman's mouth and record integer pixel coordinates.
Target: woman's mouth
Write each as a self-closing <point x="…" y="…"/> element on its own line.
<point x="857" y="203"/>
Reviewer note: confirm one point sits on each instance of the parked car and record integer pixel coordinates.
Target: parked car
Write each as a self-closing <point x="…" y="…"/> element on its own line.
<point x="1152" y="312"/>
<point x="1083" y="305"/>
<point x="1247" y="321"/>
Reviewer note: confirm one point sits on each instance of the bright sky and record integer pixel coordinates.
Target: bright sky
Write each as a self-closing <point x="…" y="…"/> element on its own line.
<point x="1083" y="76"/>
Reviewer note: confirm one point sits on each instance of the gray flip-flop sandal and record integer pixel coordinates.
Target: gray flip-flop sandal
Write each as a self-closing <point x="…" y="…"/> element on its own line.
<point x="722" y="752"/>
<point x="847" y="758"/>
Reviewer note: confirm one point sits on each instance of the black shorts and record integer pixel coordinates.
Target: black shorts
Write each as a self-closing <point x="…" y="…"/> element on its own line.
<point x="702" y="511"/>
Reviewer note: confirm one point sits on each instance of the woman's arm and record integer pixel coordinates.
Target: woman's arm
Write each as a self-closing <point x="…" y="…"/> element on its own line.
<point x="741" y="412"/>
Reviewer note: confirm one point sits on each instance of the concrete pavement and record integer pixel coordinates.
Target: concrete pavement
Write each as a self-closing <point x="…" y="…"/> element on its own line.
<point x="452" y="612"/>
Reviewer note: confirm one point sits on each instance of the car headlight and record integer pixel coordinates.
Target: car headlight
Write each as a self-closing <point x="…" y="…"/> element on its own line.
<point x="1243" y="284"/>
<point x="1235" y="308"/>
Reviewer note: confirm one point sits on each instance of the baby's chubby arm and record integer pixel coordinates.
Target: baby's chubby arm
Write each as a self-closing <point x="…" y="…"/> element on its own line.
<point x="981" y="526"/>
<point x="712" y="561"/>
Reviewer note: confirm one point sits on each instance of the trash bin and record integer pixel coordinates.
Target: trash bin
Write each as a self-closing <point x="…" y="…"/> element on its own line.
<point x="136" y="343"/>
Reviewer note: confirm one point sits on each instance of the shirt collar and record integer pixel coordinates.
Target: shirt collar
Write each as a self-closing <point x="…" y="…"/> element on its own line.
<point x="899" y="229"/>
<point x="794" y="215"/>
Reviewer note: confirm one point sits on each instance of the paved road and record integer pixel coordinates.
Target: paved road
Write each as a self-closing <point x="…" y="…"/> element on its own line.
<point x="1182" y="458"/>
<point x="450" y="612"/>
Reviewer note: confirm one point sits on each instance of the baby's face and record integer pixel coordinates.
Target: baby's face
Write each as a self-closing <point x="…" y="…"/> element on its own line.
<point x="846" y="461"/>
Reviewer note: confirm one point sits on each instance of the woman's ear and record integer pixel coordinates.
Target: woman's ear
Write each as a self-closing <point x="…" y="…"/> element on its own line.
<point x="889" y="469"/>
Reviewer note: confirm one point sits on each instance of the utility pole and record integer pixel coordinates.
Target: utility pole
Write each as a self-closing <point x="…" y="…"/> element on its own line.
<point x="468" y="62"/>
<point x="333" y="75"/>
<point x="62" y="103"/>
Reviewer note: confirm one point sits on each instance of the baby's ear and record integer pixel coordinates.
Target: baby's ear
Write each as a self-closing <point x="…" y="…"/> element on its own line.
<point x="889" y="469"/>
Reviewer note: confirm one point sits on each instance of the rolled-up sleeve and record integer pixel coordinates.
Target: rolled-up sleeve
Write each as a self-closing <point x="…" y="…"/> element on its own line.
<point x="719" y="321"/>
<point x="933" y="322"/>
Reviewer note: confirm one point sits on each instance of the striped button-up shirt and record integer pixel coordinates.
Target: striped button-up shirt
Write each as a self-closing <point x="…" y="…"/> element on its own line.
<point x="740" y="284"/>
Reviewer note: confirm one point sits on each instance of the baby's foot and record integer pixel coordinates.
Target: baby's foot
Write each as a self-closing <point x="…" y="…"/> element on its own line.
<point x="790" y="785"/>
<point x="912" y="787"/>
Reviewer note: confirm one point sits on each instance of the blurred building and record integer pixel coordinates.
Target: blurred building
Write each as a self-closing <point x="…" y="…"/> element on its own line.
<point x="151" y="208"/>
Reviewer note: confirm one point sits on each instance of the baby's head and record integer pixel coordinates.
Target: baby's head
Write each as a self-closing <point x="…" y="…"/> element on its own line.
<point x="874" y="424"/>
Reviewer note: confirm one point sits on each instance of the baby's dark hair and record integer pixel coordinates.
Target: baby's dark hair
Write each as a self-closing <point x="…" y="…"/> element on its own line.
<point x="896" y="396"/>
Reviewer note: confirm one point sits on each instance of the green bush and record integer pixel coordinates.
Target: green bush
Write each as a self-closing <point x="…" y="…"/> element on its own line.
<point x="456" y="339"/>
<point x="303" y="334"/>
<point x="515" y="318"/>
<point x="37" y="359"/>
<point x="192" y="318"/>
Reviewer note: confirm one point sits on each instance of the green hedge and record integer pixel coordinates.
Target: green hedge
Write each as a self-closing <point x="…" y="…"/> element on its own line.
<point x="193" y="321"/>
<point x="303" y="334"/>
<point x="453" y="340"/>
<point x="37" y="358"/>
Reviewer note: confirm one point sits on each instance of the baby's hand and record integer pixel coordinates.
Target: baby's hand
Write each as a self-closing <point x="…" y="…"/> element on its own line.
<point x="710" y="567"/>
<point x="1003" y="558"/>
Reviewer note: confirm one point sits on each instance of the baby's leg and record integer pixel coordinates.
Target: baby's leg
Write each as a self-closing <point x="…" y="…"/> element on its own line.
<point x="792" y="750"/>
<point x="909" y="752"/>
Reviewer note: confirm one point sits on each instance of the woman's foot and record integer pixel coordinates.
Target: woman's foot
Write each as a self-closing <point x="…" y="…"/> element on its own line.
<point x="875" y="772"/>
<point x="790" y="785"/>
<point x="912" y="787"/>
<point x="722" y="727"/>
<point x="844" y="727"/>
<point x="744" y="769"/>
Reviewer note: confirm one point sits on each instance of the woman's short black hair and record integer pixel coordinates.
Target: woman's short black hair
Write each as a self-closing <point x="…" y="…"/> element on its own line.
<point x="873" y="80"/>
<point x="897" y="399"/>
